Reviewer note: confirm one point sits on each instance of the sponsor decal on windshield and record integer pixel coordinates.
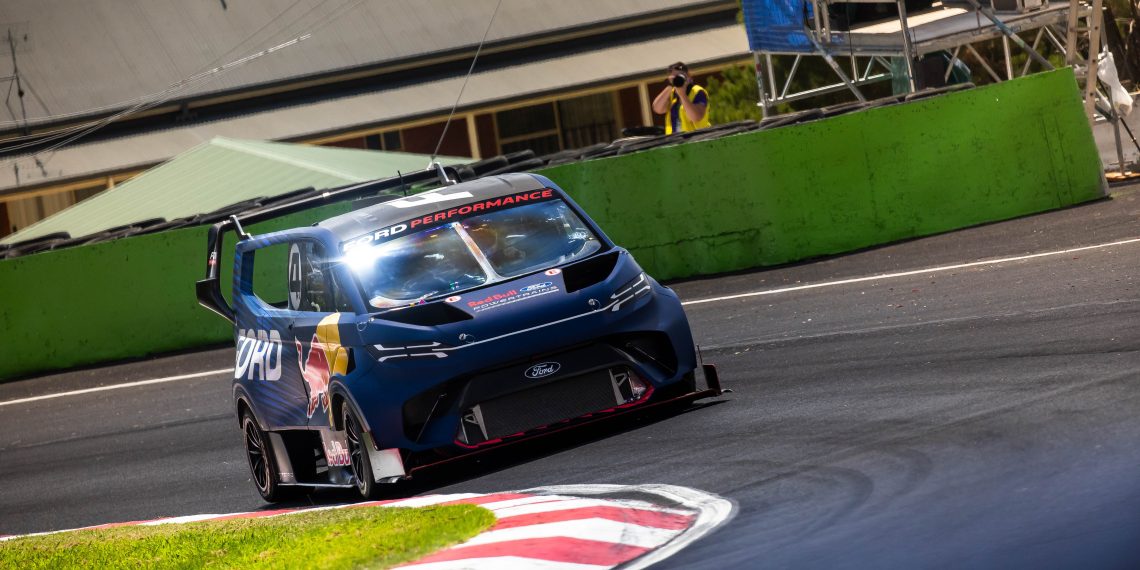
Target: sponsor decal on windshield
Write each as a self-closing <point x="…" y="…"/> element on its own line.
<point x="449" y="215"/>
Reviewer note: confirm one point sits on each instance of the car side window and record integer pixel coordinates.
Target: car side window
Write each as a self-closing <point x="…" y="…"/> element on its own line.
<point x="267" y="264"/>
<point x="311" y="281"/>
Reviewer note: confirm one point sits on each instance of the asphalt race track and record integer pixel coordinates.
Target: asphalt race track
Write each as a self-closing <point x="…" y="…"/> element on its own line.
<point x="979" y="416"/>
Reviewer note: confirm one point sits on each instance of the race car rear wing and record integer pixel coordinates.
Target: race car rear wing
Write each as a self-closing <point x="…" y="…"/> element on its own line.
<point x="209" y="291"/>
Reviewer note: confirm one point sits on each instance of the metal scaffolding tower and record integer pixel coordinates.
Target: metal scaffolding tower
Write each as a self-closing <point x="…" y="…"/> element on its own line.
<point x="860" y="53"/>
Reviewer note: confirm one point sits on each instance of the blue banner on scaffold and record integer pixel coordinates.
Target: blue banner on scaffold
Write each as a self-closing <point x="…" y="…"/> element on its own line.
<point x="777" y="25"/>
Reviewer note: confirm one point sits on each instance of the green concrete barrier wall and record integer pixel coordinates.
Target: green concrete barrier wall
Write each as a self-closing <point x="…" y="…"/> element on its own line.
<point x="750" y="200"/>
<point x="120" y="299"/>
<point x="847" y="182"/>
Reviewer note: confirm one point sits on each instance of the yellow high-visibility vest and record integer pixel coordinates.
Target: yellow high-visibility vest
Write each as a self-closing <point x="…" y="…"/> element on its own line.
<point x="686" y="124"/>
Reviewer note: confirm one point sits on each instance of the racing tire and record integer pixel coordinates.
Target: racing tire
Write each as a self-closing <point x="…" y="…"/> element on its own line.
<point x="360" y="465"/>
<point x="262" y="462"/>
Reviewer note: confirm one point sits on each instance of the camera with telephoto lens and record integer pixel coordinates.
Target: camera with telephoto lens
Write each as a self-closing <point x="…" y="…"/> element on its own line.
<point x="679" y="80"/>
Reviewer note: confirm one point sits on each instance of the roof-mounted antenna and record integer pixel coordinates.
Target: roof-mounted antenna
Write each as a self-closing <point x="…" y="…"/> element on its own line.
<point x="474" y="59"/>
<point x="403" y="187"/>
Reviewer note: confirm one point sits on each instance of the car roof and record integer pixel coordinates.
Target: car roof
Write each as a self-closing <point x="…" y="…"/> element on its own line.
<point x="365" y="220"/>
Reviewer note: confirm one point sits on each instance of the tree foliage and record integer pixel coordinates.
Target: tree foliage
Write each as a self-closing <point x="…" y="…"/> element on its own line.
<point x="734" y="96"/>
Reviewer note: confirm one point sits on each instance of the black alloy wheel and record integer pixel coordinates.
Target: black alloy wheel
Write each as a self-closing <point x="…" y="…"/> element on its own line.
<point x="358" y="452"/>
<point x="262" y="465"/>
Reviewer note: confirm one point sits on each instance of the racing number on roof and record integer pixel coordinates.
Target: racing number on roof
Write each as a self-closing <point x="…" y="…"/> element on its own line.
<point x="428" y="198"/>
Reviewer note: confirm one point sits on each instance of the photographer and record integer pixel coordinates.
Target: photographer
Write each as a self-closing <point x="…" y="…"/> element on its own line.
<point x="685" y="113"/>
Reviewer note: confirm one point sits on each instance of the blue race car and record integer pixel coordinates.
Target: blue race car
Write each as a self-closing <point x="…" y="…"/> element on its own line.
<point x="429" y="327"/>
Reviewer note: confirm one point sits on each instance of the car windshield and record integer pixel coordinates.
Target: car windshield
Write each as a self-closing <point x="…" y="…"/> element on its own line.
<point x="475" y="251"/>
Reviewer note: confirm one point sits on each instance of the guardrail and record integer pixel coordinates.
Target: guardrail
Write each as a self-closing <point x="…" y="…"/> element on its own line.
<point x="762" y="196"/>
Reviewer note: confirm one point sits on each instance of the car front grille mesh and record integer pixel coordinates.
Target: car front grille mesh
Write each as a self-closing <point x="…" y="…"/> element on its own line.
<point x="547" y="404"/>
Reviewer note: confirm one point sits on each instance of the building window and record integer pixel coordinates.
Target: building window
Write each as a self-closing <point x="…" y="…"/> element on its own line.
<point x="423" y="139"/>
<point x="587" y="120"/>
<point x="534" y="127"/>
<point x="391" y="140"/>
<point x="550" y="127"/>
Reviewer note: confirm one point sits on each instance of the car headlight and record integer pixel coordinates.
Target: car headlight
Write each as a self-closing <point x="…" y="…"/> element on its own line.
<point x="636" y="288"/>
<point x="429" y="350"/>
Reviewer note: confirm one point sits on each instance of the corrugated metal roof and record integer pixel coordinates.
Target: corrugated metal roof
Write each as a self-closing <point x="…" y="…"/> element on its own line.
<point x="600" y="66"/>
<point x="76" y="56"/>
<point x="219" y="173"/>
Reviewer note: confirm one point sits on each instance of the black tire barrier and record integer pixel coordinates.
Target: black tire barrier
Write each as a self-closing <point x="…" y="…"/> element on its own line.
<point x="594" y="151"/>
<point x="884" y="101"/>
<point x="640" y="131"/>
<point x="111" y="235"/>
<point x="62" y="244"/>
<point x="149" y="223"/>
<point x="519" y="156"/>
<point x="790" y="119"/>
<point x="842" y="108"/>
<point x="237" y="206"/>
<point x="287" y="197"/>
<point x="227" y="211"/>
<point x="172" y="224"/>
<point x="37" y="247"/>
<point x="638" y="146"/>
<point x="518" y="167"/>
<point x="35" y="244"/>
<point x="713" y="135"/>
<point x="564" y="160"/>
<point x="585" y="151"/>
<point x="134" y="225"/>
<point x="935" y="91"/>
<point x="33" y="241"/>
<point x="482" y="167"/>
<point x="602" y="153"/>
<point x="465" y="173"/>
<point x="736" y="126"/>
<point x="570" y="154"/>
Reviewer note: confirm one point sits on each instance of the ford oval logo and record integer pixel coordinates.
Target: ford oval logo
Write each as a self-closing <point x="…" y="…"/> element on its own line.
<point x="543" y="369"/>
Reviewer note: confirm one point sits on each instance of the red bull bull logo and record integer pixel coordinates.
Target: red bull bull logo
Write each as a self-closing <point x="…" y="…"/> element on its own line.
<point x="325" y="358"/>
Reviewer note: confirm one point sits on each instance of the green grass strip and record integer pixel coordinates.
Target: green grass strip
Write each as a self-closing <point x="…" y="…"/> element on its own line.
<point x="365" y="537"/>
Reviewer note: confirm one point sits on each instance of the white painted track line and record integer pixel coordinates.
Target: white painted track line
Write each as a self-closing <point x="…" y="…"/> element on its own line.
<point x="836" y="283"/>
<point x="226" y="371"/>
<point x="910" y="273"/>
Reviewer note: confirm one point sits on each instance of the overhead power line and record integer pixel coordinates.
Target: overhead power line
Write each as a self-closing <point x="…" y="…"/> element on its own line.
<point x="447" y="124"/>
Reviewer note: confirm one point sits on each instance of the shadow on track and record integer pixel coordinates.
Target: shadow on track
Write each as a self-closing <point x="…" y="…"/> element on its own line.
<point x="497" y="459"/>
